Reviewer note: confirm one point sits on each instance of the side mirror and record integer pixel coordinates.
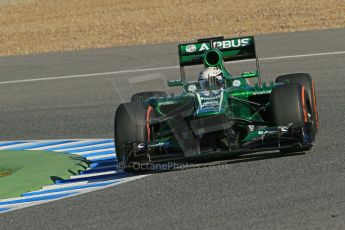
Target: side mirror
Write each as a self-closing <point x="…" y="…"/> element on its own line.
<point x="172" y="83"/>
<point x="250" y="74"/>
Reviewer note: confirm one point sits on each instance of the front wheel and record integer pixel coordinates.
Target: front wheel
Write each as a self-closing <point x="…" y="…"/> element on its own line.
<point x="129" y="127"/>
<point x="290" y="104"/>
<point x="304" y="79"/>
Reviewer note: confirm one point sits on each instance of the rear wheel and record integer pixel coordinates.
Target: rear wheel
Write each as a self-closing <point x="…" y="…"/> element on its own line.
<point x="291" y="105"/>
<point x="142" y="96"/>
<point x="305" y="80"/>
<point x="129" y="126"/>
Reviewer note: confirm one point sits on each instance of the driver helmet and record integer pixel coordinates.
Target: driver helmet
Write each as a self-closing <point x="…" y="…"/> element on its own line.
<point x="211" y="76"/>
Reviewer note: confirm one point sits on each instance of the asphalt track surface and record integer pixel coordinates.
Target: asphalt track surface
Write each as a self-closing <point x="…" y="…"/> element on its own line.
<point x="271" y="191"/>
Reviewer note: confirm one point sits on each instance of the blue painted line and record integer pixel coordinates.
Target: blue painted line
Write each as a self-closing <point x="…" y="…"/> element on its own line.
<point x="68" y="189"/>
<point x="92" y="148"/>
<point x="37" y="145"/>
<point x="113" y="176"/>
<point x="98" y="170"/>
<point x="42" y="198"/>
<point x="4" y="209"/>
<point x="11" y="143"/>
<point x="99" y="153"/>
<point x="82" y="144"/>
<point x="105" y="159"/>
<point x="102" y="163"/>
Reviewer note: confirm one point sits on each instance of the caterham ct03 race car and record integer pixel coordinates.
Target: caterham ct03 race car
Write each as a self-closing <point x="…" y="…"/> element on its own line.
<point x="218" y="114"/>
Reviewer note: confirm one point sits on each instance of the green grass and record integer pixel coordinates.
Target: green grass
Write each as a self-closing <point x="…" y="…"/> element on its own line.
<point x="24" y="171"/>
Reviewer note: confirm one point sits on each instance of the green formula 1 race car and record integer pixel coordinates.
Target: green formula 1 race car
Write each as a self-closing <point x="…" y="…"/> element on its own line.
<point x="218" y="114"/>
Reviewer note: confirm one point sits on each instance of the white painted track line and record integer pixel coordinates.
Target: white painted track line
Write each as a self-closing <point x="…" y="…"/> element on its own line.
<point x="95" y="174"/>
<point x="303" y="55"/>
<point x="82" y="147"/>
<point x="22" y="145"/>
<point x="101" y="157"/>
<point x="105" y="74"/>
<point x="73" y="184"/>
<point x="94" y="151"/>
<point x="15" y="206"/>
<point x="86" y="75"/>
<point x="47" y="194"/>
<point x="55" y="186"/>
<point x="67" y="145"/>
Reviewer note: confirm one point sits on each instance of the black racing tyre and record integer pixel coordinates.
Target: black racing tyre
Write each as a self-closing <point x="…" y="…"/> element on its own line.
<point x="290" y="104"/>
<point x="304" y="79"/>
<point x="136" y="97"/>
<point x="129" y="126"/>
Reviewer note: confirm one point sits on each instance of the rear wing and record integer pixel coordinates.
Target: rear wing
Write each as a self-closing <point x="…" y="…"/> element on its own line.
<point x="232" y="49"/>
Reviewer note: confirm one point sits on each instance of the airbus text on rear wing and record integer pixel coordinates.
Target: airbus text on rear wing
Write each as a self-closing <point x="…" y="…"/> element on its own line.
<point x="232" y="49"/>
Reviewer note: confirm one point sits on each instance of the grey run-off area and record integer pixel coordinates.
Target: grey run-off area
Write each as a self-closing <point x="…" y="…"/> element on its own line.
<point x="259" y="192"/>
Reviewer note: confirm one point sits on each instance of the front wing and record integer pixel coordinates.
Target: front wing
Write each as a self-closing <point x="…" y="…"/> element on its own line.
<point x="282" y="138"/>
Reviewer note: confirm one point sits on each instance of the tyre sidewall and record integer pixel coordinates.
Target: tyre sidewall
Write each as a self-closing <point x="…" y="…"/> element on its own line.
<point x="129" y="126"/>
<point x="289" y="103"/>
<point x="304" y="79"/>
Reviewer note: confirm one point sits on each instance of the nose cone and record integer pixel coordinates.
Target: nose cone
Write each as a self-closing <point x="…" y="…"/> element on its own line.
<point x="210" y="103"/>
